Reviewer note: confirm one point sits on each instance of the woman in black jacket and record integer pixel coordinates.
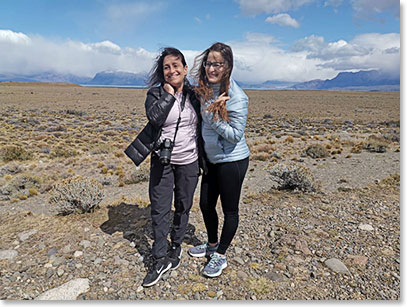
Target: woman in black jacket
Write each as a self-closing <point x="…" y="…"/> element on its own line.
<point x="173" y="135"/>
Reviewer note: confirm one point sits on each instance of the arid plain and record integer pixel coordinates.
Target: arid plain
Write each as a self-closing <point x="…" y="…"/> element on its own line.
<point x="287" y="240"/>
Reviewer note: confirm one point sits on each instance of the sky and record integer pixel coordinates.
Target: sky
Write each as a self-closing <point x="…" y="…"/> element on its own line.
<point x="284" y="40"/>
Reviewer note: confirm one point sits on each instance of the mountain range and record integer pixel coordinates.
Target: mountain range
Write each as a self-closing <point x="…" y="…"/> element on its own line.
<point x="372" y="80"/>
<point x="361" y="80"/>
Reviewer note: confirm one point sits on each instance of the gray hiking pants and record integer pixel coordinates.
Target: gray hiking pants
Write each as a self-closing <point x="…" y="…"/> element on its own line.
<point x="166" y="182"/>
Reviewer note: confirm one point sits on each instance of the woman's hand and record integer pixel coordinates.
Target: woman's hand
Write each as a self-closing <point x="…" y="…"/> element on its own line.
<point x="218" y="107"/>
<point x="168" y="88"/>
<point x="221" y="100"/>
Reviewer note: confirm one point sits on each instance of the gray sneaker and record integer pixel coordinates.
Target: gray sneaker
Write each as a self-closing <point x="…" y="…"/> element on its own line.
<point x="202" y="250"/>
<point x="215" y="266"/>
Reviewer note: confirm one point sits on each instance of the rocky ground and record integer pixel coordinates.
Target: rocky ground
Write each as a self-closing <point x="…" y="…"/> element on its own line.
<point x="340" y="242"/>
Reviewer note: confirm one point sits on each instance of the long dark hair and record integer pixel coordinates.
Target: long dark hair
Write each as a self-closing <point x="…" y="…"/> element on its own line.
<point x="156" y="75"/>
<point x="199" y="74"/>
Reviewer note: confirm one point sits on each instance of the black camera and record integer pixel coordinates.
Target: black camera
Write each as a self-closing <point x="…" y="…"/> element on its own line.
<point x="166" y="147"/>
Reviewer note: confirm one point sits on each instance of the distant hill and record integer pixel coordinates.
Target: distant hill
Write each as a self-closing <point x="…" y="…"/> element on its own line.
<point x="44" y="77"/>
<point x="118" y="78"/>
<point x="101" y="78"/>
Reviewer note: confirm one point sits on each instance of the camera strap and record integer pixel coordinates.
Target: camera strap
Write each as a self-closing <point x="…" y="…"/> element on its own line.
<point x="184" y="97"/>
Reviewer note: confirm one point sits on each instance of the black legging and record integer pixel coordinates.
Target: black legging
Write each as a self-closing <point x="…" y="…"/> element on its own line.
<point x="224" y="179"/>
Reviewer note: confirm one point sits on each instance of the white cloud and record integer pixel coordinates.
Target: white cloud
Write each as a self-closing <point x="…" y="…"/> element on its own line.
<point x="105" y="47"/>
<point x="41" y="55"/>
<point x="198" y="20"/>
<point x="14" y="37"/>
<point x="258" y="57"/>
<point x="365" y="51"/>
<point x="256" y="7"/>
<point x="259" y="61"/>
<point x="284" y="20"/>
<point x="314" y="58"/>
<point x="317" y="48"/>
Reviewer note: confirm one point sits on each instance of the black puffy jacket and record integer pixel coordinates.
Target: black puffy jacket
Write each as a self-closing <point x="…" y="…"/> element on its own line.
<point x="158" y="104"/>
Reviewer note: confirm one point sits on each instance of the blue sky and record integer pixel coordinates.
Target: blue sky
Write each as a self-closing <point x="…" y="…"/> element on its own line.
<point x="289" y="40"/>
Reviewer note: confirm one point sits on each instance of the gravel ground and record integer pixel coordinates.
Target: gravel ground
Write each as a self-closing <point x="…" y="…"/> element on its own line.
<point x="281" y="251"/>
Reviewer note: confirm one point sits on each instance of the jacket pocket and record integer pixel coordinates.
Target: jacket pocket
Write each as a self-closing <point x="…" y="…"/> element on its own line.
<point x="226" y="146"/>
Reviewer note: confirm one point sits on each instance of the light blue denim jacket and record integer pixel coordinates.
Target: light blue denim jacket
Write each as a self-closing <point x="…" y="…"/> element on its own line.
<point x="225" y="141"/>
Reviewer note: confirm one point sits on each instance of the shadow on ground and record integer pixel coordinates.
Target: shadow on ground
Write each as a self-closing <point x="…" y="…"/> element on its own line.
<point x="135" y="224"/>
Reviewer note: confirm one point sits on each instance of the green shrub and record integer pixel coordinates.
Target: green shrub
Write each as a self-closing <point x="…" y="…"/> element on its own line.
<point x="76" y="195"/>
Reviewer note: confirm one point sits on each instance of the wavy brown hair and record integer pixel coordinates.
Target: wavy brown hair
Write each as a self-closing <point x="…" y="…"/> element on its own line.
<point x="203" y="89"/>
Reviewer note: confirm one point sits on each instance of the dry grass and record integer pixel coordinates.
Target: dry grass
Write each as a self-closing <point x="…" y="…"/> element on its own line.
<point x="67" y="131"/>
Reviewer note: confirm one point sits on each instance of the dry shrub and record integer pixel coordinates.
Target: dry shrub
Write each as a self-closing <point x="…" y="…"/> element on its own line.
<point x="392" y="136"/>
<point x="376" y="144"/>
<point x="262" y="152"/>
<point x="265" y="148"/>
<point x="11" y="153"/>
<point x="101" y="149"/>
<point x="260" y="156"/>
<point x="392" y="180"/>
<point x="75" y="112"/>
<point x="259" y="285"/>
<point x="119" y="154"/>
<point x="293" y="177"/>
<point x="63" y="152"/>
<point x="357" y="148"/>
<point x="141" y="174"/>
<point x="10" y="168"/>
<point x="76" y="194"/>
<point x="20" y="185"/>
<point x="317" y="151"/>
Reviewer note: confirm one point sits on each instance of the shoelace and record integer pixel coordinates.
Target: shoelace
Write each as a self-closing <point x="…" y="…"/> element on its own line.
<point x="215" y="261"/>
<point x="202" y="246"/>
